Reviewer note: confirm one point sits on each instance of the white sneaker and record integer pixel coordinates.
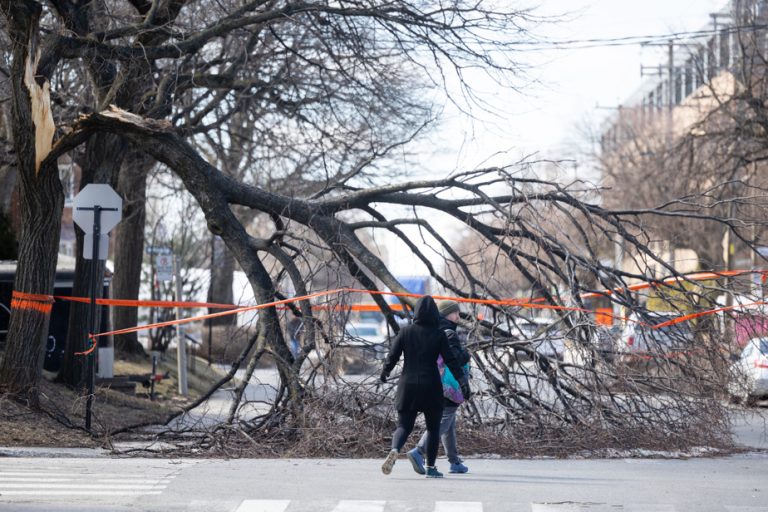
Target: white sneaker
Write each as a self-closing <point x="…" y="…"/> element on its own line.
<point x="386" y="468"/>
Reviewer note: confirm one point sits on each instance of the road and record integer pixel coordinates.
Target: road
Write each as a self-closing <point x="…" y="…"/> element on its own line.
<point x="733" y="484"/>
<point x="85" y="480"/>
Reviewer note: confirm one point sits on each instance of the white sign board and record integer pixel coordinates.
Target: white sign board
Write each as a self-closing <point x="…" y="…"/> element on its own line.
<point x="102" y="198"/>
<point x="158" y="249"/>
<point x="88" y="246"/>
<point x="164" y="267"/>
<point x="102" y="195"/>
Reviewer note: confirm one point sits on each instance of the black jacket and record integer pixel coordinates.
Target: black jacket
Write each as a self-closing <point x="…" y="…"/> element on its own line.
<point x="454" y="341"/>
<point x="419" y="388"/>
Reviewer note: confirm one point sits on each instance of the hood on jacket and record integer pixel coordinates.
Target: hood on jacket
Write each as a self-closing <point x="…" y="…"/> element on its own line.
<point x="425" y="312"/>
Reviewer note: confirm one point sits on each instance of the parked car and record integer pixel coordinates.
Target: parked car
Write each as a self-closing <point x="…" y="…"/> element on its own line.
<point x="750" y="372"/>
<point x="546" y="339"/>
<point x="639" y="338"/>
<point x="368" y="336"/>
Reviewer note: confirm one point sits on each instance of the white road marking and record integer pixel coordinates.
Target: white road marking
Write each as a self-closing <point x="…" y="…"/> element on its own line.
<point x="458" y="506"/>
<point x="263" y="506"/>
<point x="360" y="506"/>
<point x="55" y="474"/>
<point x="43" y="492"/>
<point x="45" y="485"/>
<point x="81" y="482"/>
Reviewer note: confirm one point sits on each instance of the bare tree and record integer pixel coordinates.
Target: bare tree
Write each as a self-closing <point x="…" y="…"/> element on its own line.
<point x="314" y="62"/>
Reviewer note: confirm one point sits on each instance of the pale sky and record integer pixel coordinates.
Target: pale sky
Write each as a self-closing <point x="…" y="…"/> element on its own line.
<point x="573" y="87"/>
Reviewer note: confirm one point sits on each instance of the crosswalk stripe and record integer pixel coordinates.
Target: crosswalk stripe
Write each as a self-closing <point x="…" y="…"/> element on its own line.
<point x="650" y="507"/>
<point x="360" y="506"/>
<point x="458" y="506"/>
<point x="45" y="474"/>
<point x="43" y="492"/>
<point x="45" y="485"/>
<point x="263" y="506"/>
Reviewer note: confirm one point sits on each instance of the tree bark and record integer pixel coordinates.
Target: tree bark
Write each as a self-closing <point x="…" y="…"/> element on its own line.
<point x="42" y="202"/>
<point x="103" y="155"/>
<point x="129" y="248"/>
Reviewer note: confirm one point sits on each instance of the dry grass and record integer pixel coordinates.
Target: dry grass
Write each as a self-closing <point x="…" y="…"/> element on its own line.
<point x="60" y="421"/>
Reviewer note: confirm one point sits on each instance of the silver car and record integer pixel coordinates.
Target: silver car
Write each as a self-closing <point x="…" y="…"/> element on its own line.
<point x="640" y="339"/>
<point x="750" y="372"/>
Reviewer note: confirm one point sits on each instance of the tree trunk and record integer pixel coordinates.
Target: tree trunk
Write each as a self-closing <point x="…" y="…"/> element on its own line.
<point x="129" y="248"/>
<point x="42" y="202"/>
<point x="103" y="155"/>
<point x="222" y="275"/>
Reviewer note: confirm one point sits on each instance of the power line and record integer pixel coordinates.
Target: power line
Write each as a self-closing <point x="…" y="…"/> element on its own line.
<point x="579" y="44"/>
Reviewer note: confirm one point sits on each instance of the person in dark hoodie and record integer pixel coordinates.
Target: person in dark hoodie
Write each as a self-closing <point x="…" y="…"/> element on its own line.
<point x="452" y="395"/>
<point x="420" y="388"/>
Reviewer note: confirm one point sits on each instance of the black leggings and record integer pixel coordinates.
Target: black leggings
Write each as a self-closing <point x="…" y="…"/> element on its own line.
<point x="405" y="422"/>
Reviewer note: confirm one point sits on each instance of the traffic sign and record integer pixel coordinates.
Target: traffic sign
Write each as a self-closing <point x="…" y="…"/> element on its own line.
<point x="164" y="267"/>
<point x="88" y="246"/>
<point x="158" y="249"/>
<point x="97" y="195"/>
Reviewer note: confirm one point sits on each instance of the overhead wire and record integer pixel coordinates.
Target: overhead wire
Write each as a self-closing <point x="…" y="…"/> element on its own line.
<point x="579" y="44"/>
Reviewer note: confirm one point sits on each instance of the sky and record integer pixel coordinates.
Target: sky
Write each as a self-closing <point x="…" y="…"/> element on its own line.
<point x="565" y="90"/>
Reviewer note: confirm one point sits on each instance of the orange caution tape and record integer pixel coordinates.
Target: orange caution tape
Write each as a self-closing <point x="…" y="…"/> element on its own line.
<point x="31" y="301"/>
<point x="43" y="302"/>
<point x="91" y="337"/>
<point x="691" y="316"/>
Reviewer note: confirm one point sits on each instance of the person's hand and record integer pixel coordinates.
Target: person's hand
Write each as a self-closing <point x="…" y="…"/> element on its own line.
<point x="384" y="375"/>
<point x="465" y="391"/>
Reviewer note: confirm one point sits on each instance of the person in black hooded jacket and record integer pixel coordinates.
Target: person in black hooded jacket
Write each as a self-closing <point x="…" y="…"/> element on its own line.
<point x="420" y="388"/>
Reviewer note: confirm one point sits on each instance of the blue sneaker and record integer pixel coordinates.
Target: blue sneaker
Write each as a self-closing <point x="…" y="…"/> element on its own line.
<point x="417" y="460"/>
<point x="432" y="472"/>
<point x="459" y="468"/>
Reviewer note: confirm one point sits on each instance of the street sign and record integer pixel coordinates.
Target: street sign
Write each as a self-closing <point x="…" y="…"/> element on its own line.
<point x="101" y="195"/>
<point x="96" y="209"/>
<point x="158" y="249"/>
<point x="88" y="246"/>
<point x="164" y="267"/>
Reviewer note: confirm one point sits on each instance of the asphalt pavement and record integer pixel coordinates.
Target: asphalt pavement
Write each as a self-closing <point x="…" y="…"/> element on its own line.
<point x="90" y="480"/>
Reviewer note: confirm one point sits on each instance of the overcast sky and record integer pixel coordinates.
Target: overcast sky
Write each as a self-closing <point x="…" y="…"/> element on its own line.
<point x="571" y="88"/>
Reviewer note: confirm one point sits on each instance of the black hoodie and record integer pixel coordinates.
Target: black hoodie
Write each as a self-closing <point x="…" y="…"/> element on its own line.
<point x="419" y="387"/>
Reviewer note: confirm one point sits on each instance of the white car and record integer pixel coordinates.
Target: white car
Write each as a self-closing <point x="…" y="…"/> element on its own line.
<point x="639" y="338"/>
<point x="368" y="336"/>
<point x="750" y="372"/>
<point x="547" y="340"/>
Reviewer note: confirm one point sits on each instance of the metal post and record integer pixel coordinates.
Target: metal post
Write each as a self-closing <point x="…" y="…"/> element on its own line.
<point x="210" y="320"/>
<point x="152" y="380"/>
<point x="181" y="352"/>
<point x="92" y="311"/>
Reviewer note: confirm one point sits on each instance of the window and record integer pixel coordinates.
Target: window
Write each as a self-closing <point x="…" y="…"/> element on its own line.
<point x="725" y="49"/>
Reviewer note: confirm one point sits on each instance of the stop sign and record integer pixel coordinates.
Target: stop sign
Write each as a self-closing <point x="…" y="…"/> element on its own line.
<point x="85" y="203"/>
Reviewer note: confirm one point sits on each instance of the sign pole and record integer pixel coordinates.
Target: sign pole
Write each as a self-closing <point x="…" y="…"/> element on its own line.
<point x="92" y="311"/>
<point x="181" y="349"/>
<point x="96" y="210"/>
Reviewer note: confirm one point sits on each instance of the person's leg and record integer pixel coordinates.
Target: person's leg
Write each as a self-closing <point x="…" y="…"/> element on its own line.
<point x="405" y="421"/>
<point x="433" y="418"/>
<point x="448" y="434"/>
